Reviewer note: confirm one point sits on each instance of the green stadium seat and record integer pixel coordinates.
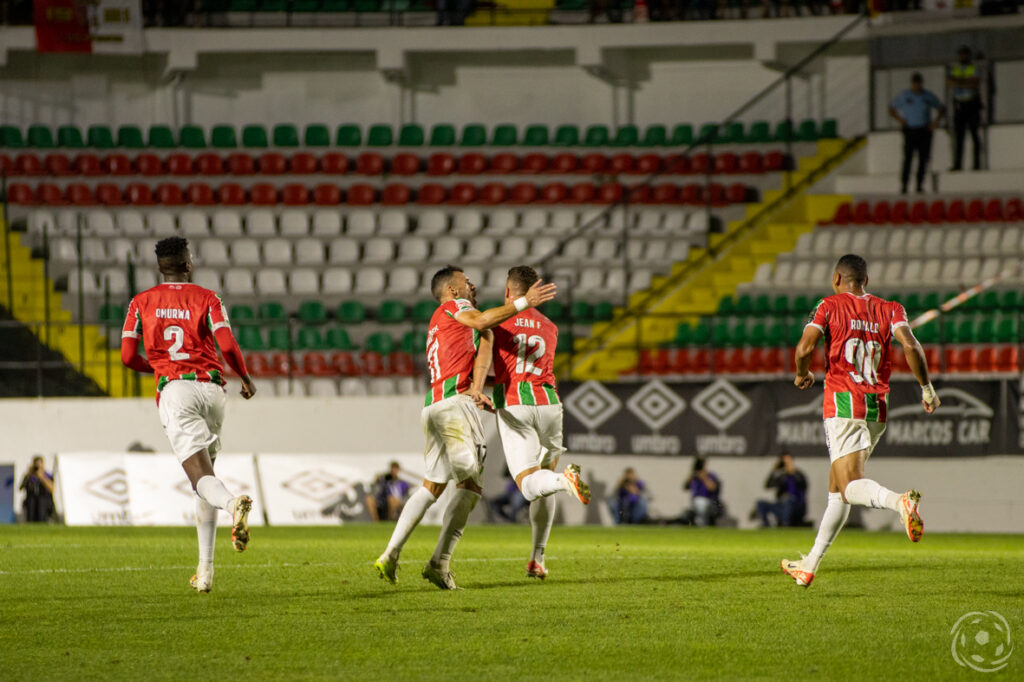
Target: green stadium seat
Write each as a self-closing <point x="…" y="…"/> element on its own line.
<point x="305" y="5"/>
<point x="760" y="131"/>
<point x="763" y="305"/>
<point x="112" y="313"/>
<point x="70" y="137"/>
<point x="989" y="300"/>
<point x="240" y="313"/>
<point x="784" y="131"/>
<point x="310" y="338"/>
<point x="744" y="305"/>
<point x="413" y="342"/>
<point x="336" y="6"/>
<point x="272" y="310"/>
<point x="793" y="333"/>
<point x="655" y="136"/>
<point x="780" y="305"/>
<point x="535" y="135"/>
<point x="351" y="312"/>
<point x="192" y="137"/>
<point x="808" y="131"/>
<point x="739" y="335"/>
<point x="829" y="129"/>
<point x="286" y="135"/>
<point x="337" y="339"/>
<point x="223" y="137"/>
<point x="603" y="311"/>
<point x="505" y="135"/>
<point x="279" y="337"/>
<point x="368" y="6"/>
<point x="492" y="303"/>
<point x="317" y="135"/>
<point x="702" y="333"/>
<point x="423" y="311"/>
<point x="40" y="137"/>
<point x="1010" y="300"/>
<point x="274" y="5"/>
<point x="726" y="306"/>
<point x="250" y="338"/>
<point x="11" y="138"/>
<point x="312" y="311"/>
<point x="720" y="334"/>
<point x="554" y="310"/>
<point x="244" y="5"/>
<point x="931" y="300"/>
<point x="1007" y="331"/>
<point x="732" y="134"/>
<point x="473" y="135"/>
<point x="581" y="311"/>
<point x="100" y="137"/>
<point x="758" y="335"/>
<point x="970" y="305"/>
<point x="349" y="135"/>
<point x="928" y="333"/>
<point x="442" y="135"/>
<point x="708" y="133"/>
<point x="802" y="305"/>
<point x="161" y="137"/>
<point x="567" y="136"/>
<point x="986" y="330"/>
<point x="911" y="301"/>
<point x="411" y="135"/>
<point x="254" y="137"/>
<point x="380" y="343"/>
<point x="391" y="312"/>
<point x="565" y="343"/>
<point x="596" y="136"/>
<point x="682" y="135"/>
<point x="776" y="335"/>
<point x="130" y="137"/>
<point x="684" y="335"/>
<point x="626" y="136"/>
<point x="380" y="135"/>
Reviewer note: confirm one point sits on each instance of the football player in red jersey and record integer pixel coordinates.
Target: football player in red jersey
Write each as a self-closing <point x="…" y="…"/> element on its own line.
<point x="858" y="329"/>
<point x="451" y="424"/>
<point x="530" y="413"/>
<point x="177" y="322"/>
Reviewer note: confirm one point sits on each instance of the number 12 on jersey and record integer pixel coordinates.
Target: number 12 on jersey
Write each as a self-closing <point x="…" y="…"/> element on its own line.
<point x="529" y="349"/>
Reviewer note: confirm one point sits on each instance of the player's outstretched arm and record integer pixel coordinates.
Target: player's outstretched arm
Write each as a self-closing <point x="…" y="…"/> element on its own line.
<point x="919" y="366"/>
<point x="481" y="368"/>
<point x="538" y="294"/>
<point x="233" y="356"/>
<point x="804" y="353"/>
<point x="130" y="357"/>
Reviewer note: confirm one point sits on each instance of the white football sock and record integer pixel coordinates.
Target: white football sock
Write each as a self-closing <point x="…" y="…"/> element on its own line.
<point x="455" y="518"/>
<point x="868" y="493"/>
<point x="206" y="528"/>
<point x="213" y="491"/>
<point x="542" y="483"/>
<point x="412" y="513"/>
<point x="542" y="516"/>
<point x="832" y="522"/>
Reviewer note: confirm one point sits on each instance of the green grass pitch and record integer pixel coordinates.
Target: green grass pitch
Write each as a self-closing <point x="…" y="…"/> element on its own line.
<point x="620" y="604"/>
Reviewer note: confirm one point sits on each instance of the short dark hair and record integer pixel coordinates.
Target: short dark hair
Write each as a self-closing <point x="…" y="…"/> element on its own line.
<point x="522" y="277"/>
<point x="916" y="77"/>
<point x="853" y="268"/>
<point x="441" y="279"/>
<point x="171" y="253"/>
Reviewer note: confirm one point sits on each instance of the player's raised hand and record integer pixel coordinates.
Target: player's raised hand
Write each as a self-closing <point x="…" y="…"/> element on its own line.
<point x="540" y="293"/>
<point x="248" y="388"/>
<point x="805" y="381"/>
<point x="482" y="401"/>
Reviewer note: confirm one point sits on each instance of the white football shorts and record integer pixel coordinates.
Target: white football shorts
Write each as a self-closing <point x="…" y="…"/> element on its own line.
<point x="844" y="436"/>
<point x="192" y="413"/>
<point x="531" y="436"/>
<point x="456" y="446"/>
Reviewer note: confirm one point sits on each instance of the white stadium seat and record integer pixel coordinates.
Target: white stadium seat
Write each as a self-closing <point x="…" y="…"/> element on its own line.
<point x="360" y="224"/>
<point x="327" y="388"/>
<point x="467" y="222"/>
<point x="337" y="281"/>
<point x="447" y="250"/>
<point x="990" y="268"/>
<point x="859" y="241"/>
<point x="840" y="243"/>
<point x="352" y="386"/>
<point x="245" y="252"/>
<point x="635" y="249"/>
<point x="800" y="275"/>
<point x="310" y="252"/>
<point x="804" y="245"/>
<point x="542" y="247"/>
<point x="576" y="249"/>
<point x="326" y="223"/>
<point x="213" y="252"/>
<point x="641" y="279"/>
<point x="591" y="281"/>
<point x="238" y="282"/>
<point x="563" y="221"/>
<point x="970" y="271"/>
<point x="413" y="250"/>
<point x="474" y="274"/>
<point x="227" y="223"/>
<point x="378" y="250"/>
<point x="972" y="242"/>
<point x="512" y="248"/>
<point x="912" y="272"/>
<point x="369" y="281"/>
<point x="260" y="223"/>
<point x="145" y="278"/>
<point x="100" y="223"/>
<point x="933" y="242"/>
<point x="648" y="222"/>
<point x="890" y="274"/>
<point x="116" y="279"/>
<point x="762" y="277"/>
<point x="821" y="275"/>
<point x="822" y="245"/>
<point x="479" y="249"/>
<point x="951" y="243"/>
<point x="533" y="221"/>
<point x="782" y="275"/>
<point x="393" y="223"/>
<point x="42" y="221"/>
<point x="270" y="282"/>
<point x="432" y="223"/>
<point x="603" y="250"/>
<point x="277" y="251"/>
<point x="207" y="279"/>
<point x="88" y="284"/>
<point x="131" y="224"/>
<point x="678" y="251"/>
<point x="161" y="223"/>
<point x="381" y="386"/>
<point x="614" y="281"/>
<point x="931" y="272"/>
<point x="494" y="284"/>
<point x="122" y="250"/>
<point x="294" y="223"/>
<point x="991" y="240"/>
<point x="950" y="272"/>
<point x="344" y="250"/>
<point x="502" y="221"/>
<point x="303" y="282"/>
<point x="914" y="245"/>
<point x="403" y="280"/>
<point x="1011" y="241"/>
<point x="897" y="242"/>
<point x="63" y="250"/>
<point x="877" y="243"/>
<point x="93" y="251"/>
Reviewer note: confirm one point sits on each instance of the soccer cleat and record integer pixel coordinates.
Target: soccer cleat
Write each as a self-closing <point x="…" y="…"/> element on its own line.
<point x="796" y="571"/>
<point x="387" y="569"/>
<point x="445" y="580"/>
<point x="912" y="522"/>
<point x="240" y="508"/>
<point x="580" y="489"/>
<point x="535" y="569"/>
<point x="202" y="584"/>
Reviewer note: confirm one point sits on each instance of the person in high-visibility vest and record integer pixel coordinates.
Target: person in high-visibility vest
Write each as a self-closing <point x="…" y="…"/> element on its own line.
<point x="965" y="80"/>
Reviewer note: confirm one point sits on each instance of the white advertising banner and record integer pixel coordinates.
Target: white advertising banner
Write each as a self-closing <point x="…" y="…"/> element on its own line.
<point x="312" y="490"/>
<point x="160" y="493"/>
<point x="115" y="26"/>
<point x="93" y="489"/>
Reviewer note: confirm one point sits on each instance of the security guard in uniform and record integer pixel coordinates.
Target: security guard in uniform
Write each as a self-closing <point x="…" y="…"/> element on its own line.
<point x="913" y="109"/>
<point x="965" y="80"/>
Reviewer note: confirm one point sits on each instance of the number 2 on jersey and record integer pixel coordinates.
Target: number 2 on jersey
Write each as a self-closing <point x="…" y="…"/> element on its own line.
<point x="524" y="361"/>
<point x="865" y="356"/>
<point x="177" y="335"/>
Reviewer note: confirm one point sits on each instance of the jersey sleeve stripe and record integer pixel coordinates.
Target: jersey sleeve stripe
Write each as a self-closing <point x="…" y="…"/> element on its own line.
<point x="899" y="324"/>
<point x="816" y="326"/>
<point x="130" y="335"/>
<point x="220" y="325"/>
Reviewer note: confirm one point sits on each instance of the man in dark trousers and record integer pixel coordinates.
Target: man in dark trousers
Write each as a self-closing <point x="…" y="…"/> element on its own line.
<point x="913" y="109"/>
<point x="964" y="79"/>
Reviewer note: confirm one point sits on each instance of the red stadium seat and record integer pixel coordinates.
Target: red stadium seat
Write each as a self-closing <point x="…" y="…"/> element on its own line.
<point x="564" y="163"/>
<point x="715" y="193"/>
<point x="280" y="364"/>
<point x="679" y="361"/>
<point x="699" y="362"/>
<point x="918" y="213"/>
<point x="334" y="163"/>
<point x="209" y="164"/>
<point x="817" y="360"/>
<point x="294" y="195"/>
<point x="241" y="164"/>
<point x="179" y="164"/>
<point x="80" y="195"/>
<point x="678" y="164"/>
<point x="640" y="194"/>
<point x="701" y="163"/>
<point x="691" y="194"/>
<point x="503" y="164"/>
<point x="775" y="162"/>
<point x="88" y="165"/>
<point x="344" y="363"/>
<point x="57" y="164"/>
<point x="139" y="195"/>
<point x="900" y="213"/>
<point x="610" y="193"/>
<point x="593" y="163"/>
<point x="1013" y="211"/>
<point x="727" y="163"/>
<point x="899" y="360"/>
<point x="231" y="194"/>
<point x="647" y="164"/>
<point x="665" y="193"/>
<point x="29" y="164"/>
<point x="843" y="214"/>
<point x="492" y="193"/>
<point x="7" y="166"/>
<point x="581" y="193"/>
<point x="272" y="163"/>
<point x="880" y="213"/>
<point x="553" y="193"/>
<point x="987" y="359"/>
<point x="430" y="194"/>
<point x="975" y="211"/>
<point x="395" y="195"/>
<point x="534" y="163"/>
<point x="302" y="163"/>
<point x="620" y="163"/>
<point x="440" y="164"/>
<point x="326" y="195"/>
<point x="402" y="364"/>
<point x="993" y="211"/>
<point x="263" y="194"/>
<point x="471" y="164"/>
<point x="169" y="195"/>
<point x="955" y="211"/>
<point x="1008" y="359"/>
<point x="316" y="365"/>
<point x="405" y="164"/>
<point x="21" y="194"/>
<point x="200" y="194"/>
<point x="109" y="194"/>
<point x="774" y="362"/>
<point x="149" y="164"/>
<point x="737" y="193"/>
<point x="461" y="194"/>
<point x="861" y="213"/>
<point x="258" y="364"/>
<point x="370" y="163"/>
<point x="936" y="213"/>
<point x="118" y="164"/>
<point x="751" y="162"/>
<point x="373" y="364"/>
<point x="360" y="195"/>
<point x="523" y="193"/>
<point x="51" y="195"/>
<point x="931" y="356"/>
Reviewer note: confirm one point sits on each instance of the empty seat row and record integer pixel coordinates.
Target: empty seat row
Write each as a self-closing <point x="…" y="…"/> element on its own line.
<point x="373" y="163"/>
<point x="256" y="136"/>
<point x="395" y="194"/>
<point x="900" y="272"/>
<point x="936" y="212"/>
<point x="994" y="240"/>
<point x="782" y="305"/>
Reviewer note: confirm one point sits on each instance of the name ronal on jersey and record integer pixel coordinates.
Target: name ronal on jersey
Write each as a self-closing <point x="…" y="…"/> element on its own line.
<point x="863" y="326"/>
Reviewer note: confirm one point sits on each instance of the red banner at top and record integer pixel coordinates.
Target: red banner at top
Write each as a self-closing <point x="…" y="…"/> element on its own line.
<point x="62" y="26"/>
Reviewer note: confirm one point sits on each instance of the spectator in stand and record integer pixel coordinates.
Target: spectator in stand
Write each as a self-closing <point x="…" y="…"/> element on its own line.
<point x="509" y="503"/>
<point x="630" y="502"/>
<point x="38" y="486"/>
<point x="705" y="488"/>
<point x="388" y="495"/>
<point x="913" y="109"/>
<point x="790" y="485"/>
<point x="965" y="80"/>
